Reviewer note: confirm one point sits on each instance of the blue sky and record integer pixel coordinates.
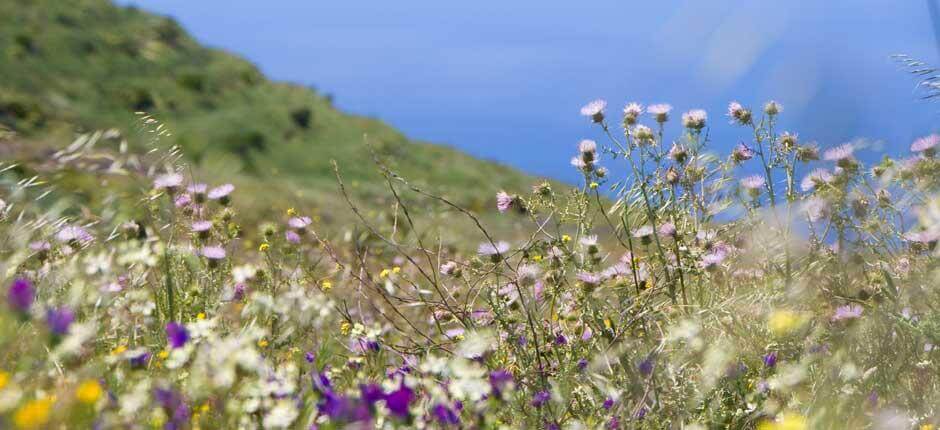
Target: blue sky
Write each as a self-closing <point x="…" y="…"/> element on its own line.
<point x="504" y="80"/>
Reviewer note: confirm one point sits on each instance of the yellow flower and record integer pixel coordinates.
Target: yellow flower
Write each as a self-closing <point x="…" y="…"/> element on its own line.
<point x="565" y="238"/>
<point x="344" y="328"/>
<point x="119" y="350"/>
<point x="536" y="258"/>
<point x="396" y="269"/>
<point x="88" y="392"/>
<point x="326" y="285"/>
<point x="783" y="322"/>
<point x="163" y="354"/>
<point x="263" y="247"/>
<point x="204" y="408"/>
<point x="262" y="343"/>
<point x="4" y="379"/>
<point x="927" y="427"/>
<point x="201" y="316"/>
<point x="291" y="212"/>
<point x="34" y="414"/>
<point x="384" y="273"/>
<point x="593" y="185"/>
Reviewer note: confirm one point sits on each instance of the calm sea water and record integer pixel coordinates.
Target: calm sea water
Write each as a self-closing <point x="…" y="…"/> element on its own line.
<point x="504" y="80"/>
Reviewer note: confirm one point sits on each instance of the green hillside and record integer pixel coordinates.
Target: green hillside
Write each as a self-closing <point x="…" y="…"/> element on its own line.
<point x="88" y="64"/>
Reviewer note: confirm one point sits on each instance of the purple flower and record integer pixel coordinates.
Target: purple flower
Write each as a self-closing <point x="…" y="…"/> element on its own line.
<point x="503" y="201"/>
<point x="492" y="250"/>
<point x="742" y="153"/>
<point x="299" y="222"/>
<point x="239" y="292"/>
<point x="560" y="339"/>
<point x="197" y="189"/>
<point x="608" y="403"/>
<point x="694" y="119"/>
<point x="21" y="295"/>
<point x="753" y="182"/>
<point x="175" y="407"/>
<point x="221" y="192"/>
<point x="847" y="312"/>
<point x="582" y="364"/>
<point x="371" y="393"/>
<point x="614" y="423"/>
<point x="646" y="366"/>
<point x="540" y="398"/>
<point x="176" y="335"/>
<point x="59" y="320"/>
<point x="398" y="401"/>
<point x="926" y="144"/>
<point x="589" y="278"/>
<point x="770" y="360"/>
<point x="445" y="415"/>
<point x="213" y="252"/>
<point x="499" y="380"/>
<point x="310" y="356"/>
<point x="594" y="110"/>
<point x="140" y="361"/>
<point x="73" y="234"/>
<point x="292" y="236"/>
<point x="668" y="229"/>
<point x="201" y="226"/>
<point x="182" y="200"/>
<point x="169" y="181"/>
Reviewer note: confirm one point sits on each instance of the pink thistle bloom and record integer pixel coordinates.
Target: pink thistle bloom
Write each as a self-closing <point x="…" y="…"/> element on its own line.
<point x="168" y="181"/>
<point x="839" y="153"/>
<point x="631" y="112"/>
<point x="221" y="191"/>
<point x="503" y="201"/>
<point x="742" y="153"/>
<point x="197" y="188"/>
<point x="694" y="119"/>
<point x="924" y="237"/>
<point x="489" y="249"/>
<point x="816" y="209"/>
<point x="712" y="260"/>
<point x="615" y="271"/>
<point x="594" y="110"/>
<point x="589" y="278"/>
<point x="299" y="222"/>
<point x="201" y="226"/>
<point x="815" y="178"/>
<point x="659" y="111"/>
<point x="668" y="229"/>
<point x="847" y="312"/>
<point x="213" y="252"/>
<point x="74" y="233"/>
<point x="183" y="200"/>
<point x="753" y="182"/>
<point x="292" y="236"/>
<point x="735" y="109"/>
<point x="926" y="143"/>
<point x="587" y="146"/>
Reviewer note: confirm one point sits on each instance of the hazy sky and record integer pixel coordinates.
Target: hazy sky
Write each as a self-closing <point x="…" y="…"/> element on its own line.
<point x="504" y="80"/>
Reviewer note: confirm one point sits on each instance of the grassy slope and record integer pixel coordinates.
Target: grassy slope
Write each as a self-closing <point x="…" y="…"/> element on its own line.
<point x="87" y="64"/>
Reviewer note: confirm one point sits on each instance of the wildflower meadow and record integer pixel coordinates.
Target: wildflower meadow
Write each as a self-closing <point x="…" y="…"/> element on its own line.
<point x="778" y="285"/>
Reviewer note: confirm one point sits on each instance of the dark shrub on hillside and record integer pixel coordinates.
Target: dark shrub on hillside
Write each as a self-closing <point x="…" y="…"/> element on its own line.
<point x="301" y="117"/>
<point x="195" y="82"/>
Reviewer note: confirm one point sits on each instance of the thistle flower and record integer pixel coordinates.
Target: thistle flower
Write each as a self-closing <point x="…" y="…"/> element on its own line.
<point x="712" y="260"/>
<point x="176" y="335"/>
<point x="500" y="380"/>
<point x="299" y="223"/>
<point x="198" y="190"/>
<point x="74" y="235"/>
<point x="494" y="251"/>
<point x="587" y="148"/>
<point x="168" y="181"/>
<point x="631" y="112"/>
<point x="753" y="184"/>
<point x="214" y="252"/>
<point x="739" y="113"/>
<point x="841" y="154"/>
<point x="924" y="237"/>
<point x="846" y="312"/>
<point x="589" y="278"/>
<point x="590" y="243"/>
<point x="182" y="200"/>
<point x="527" y="274"/>
<point x="667" y="229"/>
<point x="608" y="403"/>
<point x="742" y="153"/>
<point x="773" y="108"/>
<point x="450" y="268"/>
<point x="643" y="134"/>
<point x="594" y="110"/>
<point x="59" y="320"/>
<point x="21" y="295"/>
<point x="201" y="227"/>
<point x="807" y="153"/>
<point x="221" y="193"/>
<point x="292" y="236"/>
<point x="788" y="141"/>
<point x="926" y="145"/>
<point x="816" y="178"/>
<point x="644" y="233"/>
<point x="816" y="209"/>
<point x="504" y="201"/>
<point x="660" y="112"/>
<point x="694" y="119"/>
<point x="679" y="153"/>
<point x="646" y="366"/>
